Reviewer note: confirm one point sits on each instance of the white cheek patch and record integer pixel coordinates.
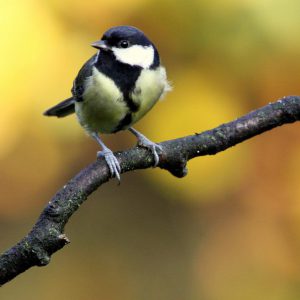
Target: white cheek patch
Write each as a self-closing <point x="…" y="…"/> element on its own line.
<point x="136" y="55"/>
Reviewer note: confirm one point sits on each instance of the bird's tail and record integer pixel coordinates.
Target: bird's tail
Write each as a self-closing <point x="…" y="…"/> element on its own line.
<point x="62" y="109"/>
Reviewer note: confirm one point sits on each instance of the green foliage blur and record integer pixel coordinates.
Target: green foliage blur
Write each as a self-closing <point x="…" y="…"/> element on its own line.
<point x="230" y="230"/>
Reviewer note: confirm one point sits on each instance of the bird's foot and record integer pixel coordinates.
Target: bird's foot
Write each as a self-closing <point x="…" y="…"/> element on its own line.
<point x="153" y="147"/>
<point x="112" y="162"/>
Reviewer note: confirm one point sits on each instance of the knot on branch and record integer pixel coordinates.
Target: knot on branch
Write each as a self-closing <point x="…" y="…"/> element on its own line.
<point x="175" y="164"/>
<point x="43" y="252"/>
<point x="42" y="257"/>
<point x="43" y="241"/>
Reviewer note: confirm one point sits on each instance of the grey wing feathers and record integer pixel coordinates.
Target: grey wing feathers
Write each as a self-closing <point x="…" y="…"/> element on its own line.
<point x="67" y="106"/>
<point x="62" y="109"/>
<point x="85" y="71"/>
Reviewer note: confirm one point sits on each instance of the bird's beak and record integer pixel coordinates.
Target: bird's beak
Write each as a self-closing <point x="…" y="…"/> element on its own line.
<point x="101" y="45"/>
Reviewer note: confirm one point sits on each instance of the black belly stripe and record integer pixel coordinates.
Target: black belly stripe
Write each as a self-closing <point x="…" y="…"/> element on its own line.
<point x="133" y="107"/>
<point x="124" y="122"/>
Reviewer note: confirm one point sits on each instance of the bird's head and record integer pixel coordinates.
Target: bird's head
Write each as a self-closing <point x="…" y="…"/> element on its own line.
<point x="129" y="46"/>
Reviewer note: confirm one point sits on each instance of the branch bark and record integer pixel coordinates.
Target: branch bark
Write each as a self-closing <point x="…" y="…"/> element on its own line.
<point x="47" y="236"/>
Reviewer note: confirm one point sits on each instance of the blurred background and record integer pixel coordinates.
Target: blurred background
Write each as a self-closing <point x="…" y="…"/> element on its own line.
<point x="231" y="228"/>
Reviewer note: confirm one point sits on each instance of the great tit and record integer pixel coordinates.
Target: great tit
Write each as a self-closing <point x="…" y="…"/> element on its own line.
<point x="115" y="88"/>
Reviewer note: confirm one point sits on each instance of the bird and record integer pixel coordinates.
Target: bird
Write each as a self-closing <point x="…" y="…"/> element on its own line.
<point x="115" y="88"/>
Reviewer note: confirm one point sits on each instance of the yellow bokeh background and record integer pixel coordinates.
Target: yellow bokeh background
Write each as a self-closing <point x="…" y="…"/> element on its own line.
<point x="231" y="228"/>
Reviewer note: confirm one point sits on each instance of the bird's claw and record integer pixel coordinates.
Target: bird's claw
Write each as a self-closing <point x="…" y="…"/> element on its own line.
<point x="112" y="162"/>
<point x="153" y="147"/>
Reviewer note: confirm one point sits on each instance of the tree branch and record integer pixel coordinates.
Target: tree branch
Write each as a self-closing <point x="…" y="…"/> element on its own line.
<point x="47" y="236"/>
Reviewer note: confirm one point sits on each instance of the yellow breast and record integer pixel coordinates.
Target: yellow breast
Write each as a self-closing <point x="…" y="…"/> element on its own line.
<point x="150" y="87"/>
<point x="103" y="106"/>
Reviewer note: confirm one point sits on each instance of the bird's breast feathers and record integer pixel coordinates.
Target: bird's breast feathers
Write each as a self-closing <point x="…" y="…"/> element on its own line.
<point x="103" y="106"/>
<point x="150" y="87"/>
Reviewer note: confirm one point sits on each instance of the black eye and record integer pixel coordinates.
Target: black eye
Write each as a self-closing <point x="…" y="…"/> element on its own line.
<point x="124" y="44"/>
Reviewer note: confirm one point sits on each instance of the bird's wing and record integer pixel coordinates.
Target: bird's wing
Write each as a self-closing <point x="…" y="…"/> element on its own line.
<point x="67" y="106"/>
<point x="78" y="84"/>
